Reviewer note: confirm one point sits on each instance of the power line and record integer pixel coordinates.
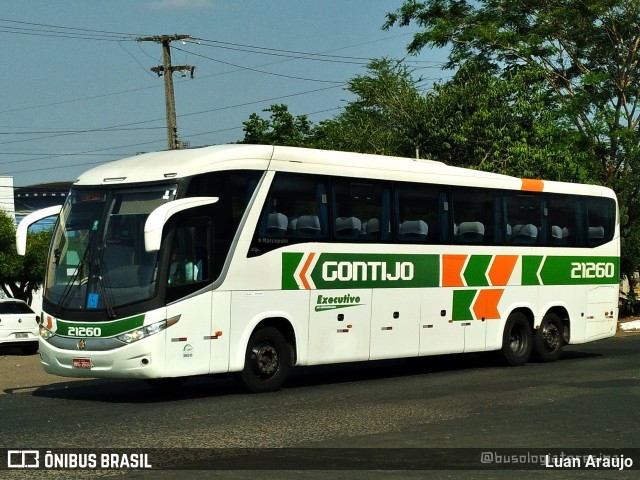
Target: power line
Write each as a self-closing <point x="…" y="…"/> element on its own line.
<point x="49" y="30"/>
<point x="251" y="69"/>
<point x="298" y="55"/>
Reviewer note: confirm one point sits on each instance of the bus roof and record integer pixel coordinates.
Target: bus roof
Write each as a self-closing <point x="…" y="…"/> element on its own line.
<point x="163" y="165"/>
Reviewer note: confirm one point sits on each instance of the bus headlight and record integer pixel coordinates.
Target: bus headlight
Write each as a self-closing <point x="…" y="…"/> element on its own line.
<point x="147" y="330"/>
<point x="45" y="333"/>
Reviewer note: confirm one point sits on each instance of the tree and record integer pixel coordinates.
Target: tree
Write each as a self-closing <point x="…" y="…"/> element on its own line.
<point x="386" y="118"/>
<point x="282" y="128"/>
<point x="587" y="55"/>
<point x="501" y="124"/>
<point x="21" y="276"/>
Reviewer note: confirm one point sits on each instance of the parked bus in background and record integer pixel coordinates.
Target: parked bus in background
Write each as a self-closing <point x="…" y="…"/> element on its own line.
<point x="254" y="259"/>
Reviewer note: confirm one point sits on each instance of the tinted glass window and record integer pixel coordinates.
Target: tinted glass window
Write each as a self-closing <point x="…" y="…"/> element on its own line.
<point x="600" y="220"/>
<point x="523" y="219"/>
<point x="14" y="307"/>
<point x="563" y="220"/>
<point x="360" y="210"/>
<point x="418" y="215"/>
<point x="296" y="208"/>
<point x="474" y="216"/>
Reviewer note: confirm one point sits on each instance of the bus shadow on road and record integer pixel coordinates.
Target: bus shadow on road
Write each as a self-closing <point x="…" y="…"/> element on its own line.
<point x="211" y="386"/>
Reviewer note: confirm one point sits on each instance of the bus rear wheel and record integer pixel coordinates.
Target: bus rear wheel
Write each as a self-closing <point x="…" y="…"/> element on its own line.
<point x="266" y="362"/>
<point x="517" y="340"/>
<point x="548" y="339"/>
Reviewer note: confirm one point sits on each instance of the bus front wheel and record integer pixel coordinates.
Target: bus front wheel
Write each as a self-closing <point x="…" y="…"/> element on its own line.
<point x="548" y="339"/>
<point x="266" y="361"/>
<point x="517" y="340"/>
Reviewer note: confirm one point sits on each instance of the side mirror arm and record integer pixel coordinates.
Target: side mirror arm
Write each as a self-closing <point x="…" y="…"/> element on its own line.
<point x="26" y="222"/>
<point x="161" y="215"/>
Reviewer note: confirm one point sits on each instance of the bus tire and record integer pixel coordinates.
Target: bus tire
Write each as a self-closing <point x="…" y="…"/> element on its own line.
<point x="266" y="362"/>
<point x="548" y="339"/>
<point x="517" y="340"/>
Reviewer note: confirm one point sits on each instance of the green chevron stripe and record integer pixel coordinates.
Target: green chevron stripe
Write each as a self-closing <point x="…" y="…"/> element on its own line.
<point x="476" y="272"/>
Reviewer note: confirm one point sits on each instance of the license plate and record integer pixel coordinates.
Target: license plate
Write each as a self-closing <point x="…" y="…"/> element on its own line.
<point x="22" y="335"/>
<point x="81" y="363"/>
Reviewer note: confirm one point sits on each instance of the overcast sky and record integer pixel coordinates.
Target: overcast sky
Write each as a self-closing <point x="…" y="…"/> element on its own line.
<point x="77" y="89"/>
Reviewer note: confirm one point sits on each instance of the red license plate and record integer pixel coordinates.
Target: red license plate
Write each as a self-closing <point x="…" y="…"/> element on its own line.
<point x="81" y="363"/>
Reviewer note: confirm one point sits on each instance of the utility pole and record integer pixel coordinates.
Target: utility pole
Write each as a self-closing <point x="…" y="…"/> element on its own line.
<point x="167" y="70"/>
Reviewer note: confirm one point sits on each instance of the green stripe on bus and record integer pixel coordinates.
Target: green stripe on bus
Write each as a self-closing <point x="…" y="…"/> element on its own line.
<point x="580" y="270"/>
<point x="530" y="267"/>
<point x="290" y="262"/>
<point x="462" y="300"/>
<point x="476" y="272"/>
<point x="107" y="329"/>
<point x="344" y="270"/>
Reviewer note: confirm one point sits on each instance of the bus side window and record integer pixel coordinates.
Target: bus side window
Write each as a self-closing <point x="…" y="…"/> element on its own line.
<point x="295" y="210"/>
<point x="562" y="218"/>
<point x="417" y="213"/>
<point x="600" y="220"/>
<point x="361" y="210"/>
<point x="189" y="262"/>
<point x="474" y="219"/>
<point x="523" y="220"/>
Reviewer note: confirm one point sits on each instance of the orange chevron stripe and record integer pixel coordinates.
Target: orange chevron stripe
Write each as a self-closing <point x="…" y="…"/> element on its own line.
<point x="486" y="304"/>
<point x="452" y="270"/>
<point x="303" y="272"/>
<point x="501" y="269"/>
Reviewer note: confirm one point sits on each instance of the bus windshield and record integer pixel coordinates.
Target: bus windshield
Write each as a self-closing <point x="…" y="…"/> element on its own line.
<point x="97" y="258"/>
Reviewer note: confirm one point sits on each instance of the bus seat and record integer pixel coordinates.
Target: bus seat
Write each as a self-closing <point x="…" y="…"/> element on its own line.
<point x="277" y="224"/>
<point x="371" y="229"/>
<point x="292" y="226"/>
<point x="470" y="232"/>
<point x="348" y="227"/>
<point x="596" y="235"/>
<point x="507" y="232"/>
<point x="524" y="234"/>
<point x="413" y="230"/>
<point x="568" y="238"/>
<point x="556" y="235"/>
<point x="308" y="226"/>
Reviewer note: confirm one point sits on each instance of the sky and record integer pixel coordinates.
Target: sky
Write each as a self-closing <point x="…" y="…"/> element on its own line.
<point x="77" y="89"/>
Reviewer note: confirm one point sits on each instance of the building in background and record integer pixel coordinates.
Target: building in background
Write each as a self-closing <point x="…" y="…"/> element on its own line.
<point x="36" y="197"/>
<point x="19" y="202"/>
<point x="6" y="196"/>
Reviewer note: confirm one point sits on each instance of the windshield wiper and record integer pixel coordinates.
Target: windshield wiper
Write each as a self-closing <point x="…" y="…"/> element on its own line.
<point x="71" y="286"/>
<point x="102" y="285"/>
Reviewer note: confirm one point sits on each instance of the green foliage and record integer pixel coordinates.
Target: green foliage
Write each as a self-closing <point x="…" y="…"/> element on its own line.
<point x="630" y="303"/>
<point x="588" y="57"/>
<point x="282" y="128"/>
<point x="387" y="117"/>
<point x="500" y="124"/>
<point x="21" y="276"/>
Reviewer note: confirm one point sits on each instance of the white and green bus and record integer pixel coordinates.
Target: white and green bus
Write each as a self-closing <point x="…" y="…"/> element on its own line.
<point x="254" y="259"/>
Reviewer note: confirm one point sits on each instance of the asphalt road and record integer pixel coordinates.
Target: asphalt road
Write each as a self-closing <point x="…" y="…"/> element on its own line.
<point x="589" y="399"/>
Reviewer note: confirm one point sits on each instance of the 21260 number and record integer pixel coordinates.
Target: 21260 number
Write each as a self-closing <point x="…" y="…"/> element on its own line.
<point x="592" y="270"/>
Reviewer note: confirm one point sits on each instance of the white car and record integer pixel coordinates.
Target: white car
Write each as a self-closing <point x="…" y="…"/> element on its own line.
<point x="18" y="326"/>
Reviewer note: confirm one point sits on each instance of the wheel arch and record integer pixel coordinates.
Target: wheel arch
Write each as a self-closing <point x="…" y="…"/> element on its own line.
<point x="286" y="328"/>
<point x="272" y="319"/>
<point x="527" y="312"/>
